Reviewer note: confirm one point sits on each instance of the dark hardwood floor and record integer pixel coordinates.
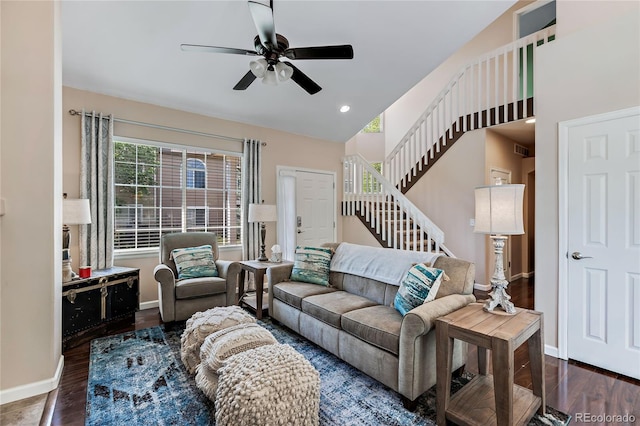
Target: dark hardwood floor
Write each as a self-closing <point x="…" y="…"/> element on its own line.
<point x="570" y="387"/>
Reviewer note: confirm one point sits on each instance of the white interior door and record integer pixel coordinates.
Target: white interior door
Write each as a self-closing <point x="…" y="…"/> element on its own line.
<point x="315" y="208"/>
<point x="603" y="270"/>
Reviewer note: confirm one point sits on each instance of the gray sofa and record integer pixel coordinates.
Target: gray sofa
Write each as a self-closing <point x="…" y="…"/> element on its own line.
<point x="354" y="319"/>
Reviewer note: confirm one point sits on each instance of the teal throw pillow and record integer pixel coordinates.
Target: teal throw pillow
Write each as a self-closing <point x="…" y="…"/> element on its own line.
<point x="195" y="262"/>
<point x="311" y="265"/>
<point x="419" y="286"/>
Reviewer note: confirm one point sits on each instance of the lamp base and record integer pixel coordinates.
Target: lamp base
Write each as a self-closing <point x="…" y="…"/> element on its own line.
<point x="499" y="296"/>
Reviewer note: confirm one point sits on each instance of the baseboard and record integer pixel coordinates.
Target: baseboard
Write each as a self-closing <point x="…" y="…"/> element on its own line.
<point x="516" y="277"/>
<point x="33" y="389"/>
<point x="149" y="305"/>
<point x="482" y="287"/>
<point x="551" y="351"/>
<point x="528" y="274"/>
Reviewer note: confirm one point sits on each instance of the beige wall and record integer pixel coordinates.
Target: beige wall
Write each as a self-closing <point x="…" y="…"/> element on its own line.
<point x="586" y="71"/>
<point x="403" y="113"/>
<point x="31" y="177"/>
<point x="369" y="145"/>
<point x="283" y="149"/>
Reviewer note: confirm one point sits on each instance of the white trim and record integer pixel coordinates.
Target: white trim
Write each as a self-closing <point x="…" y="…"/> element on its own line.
<point x="149" y="305"/>
<point x="528" y="274"/>
<point x="151" y="142"/>
<point x="33" y="389"/>
<point x="482" y="287"/>
<point x="551" y="351"/>
<point x="528" y="8"/>
<point x="563" y="215"/>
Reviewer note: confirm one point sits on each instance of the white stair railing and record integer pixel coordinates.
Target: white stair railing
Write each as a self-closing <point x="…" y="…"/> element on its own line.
<point x="397" y="220"/>
<point x="497" y="80"/>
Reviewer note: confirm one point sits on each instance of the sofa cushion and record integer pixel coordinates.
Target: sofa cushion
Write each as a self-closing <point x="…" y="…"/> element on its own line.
<point x="378" y="325"/>
<point x="311" y="265"/>
<point x="292" y="292"/>
<point x="195" y="262"/>
<point x="329" y="307"/>
<point x="419" y="286"/>
<point x="197" y="287"/>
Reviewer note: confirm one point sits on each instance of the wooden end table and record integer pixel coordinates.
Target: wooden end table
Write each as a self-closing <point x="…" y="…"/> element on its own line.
<point x="258" y="269"/>
<point x="488" y="400"/>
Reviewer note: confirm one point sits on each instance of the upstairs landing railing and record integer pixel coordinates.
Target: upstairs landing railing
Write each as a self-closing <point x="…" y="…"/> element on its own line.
<point x="498" y="82"/>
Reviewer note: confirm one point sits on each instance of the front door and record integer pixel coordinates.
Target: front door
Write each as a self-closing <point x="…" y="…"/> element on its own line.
<point x="603" y="196"/>
<point x="315" y="220"/>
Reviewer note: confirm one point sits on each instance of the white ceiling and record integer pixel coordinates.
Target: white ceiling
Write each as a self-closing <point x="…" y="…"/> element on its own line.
<point x="131" y="49"/>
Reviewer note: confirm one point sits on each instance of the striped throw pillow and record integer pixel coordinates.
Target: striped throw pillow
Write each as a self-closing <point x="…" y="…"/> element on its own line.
<point x="419" y="286"/>
<point x="195" y="262"/>
<point x="311" y="265"/>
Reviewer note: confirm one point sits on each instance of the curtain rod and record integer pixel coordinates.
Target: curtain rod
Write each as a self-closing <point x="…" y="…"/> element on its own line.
<point x="172" y="129"/>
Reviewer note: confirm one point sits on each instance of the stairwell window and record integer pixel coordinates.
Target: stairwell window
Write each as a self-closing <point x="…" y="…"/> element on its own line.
<point x="374" y="126"/>
<point x="161" y="189"/>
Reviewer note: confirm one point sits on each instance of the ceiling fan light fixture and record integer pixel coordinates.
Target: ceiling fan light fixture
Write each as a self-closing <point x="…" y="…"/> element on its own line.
<point x="270" y="77"/>
<point x="258" y="67"/>
<point x="283" y="71"/>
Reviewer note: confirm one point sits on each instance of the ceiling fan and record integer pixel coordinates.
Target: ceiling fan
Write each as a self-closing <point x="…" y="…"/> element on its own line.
<point x="272" y="46"/>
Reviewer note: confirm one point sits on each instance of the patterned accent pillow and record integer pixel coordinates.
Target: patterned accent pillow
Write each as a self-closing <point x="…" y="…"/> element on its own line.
<point x="195" y="262"/>
<point x="311" y="265"/>
<point x="419" y="286"/>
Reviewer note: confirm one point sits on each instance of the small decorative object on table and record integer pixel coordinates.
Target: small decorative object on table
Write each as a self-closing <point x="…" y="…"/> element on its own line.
<point x="276" y="254"/>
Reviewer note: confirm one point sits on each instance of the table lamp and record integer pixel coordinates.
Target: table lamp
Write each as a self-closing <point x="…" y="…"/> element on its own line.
<point x="262" y="213"/>
<point x="499" y="213"/>
<point x="74" y="212"/>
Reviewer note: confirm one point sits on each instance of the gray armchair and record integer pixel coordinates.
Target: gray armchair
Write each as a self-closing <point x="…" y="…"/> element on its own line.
<point x="179" y="299"/>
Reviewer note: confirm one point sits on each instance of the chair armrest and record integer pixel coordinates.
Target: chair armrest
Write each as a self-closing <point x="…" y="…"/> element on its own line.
<point x="223" y="267"/>
<point x="420" y="320"/>
<point x="166" y="292"/>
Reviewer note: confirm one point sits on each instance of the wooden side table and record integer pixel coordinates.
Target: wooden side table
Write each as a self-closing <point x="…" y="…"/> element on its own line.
<point x="258" y="269"/>
<point x="488" y="400"/>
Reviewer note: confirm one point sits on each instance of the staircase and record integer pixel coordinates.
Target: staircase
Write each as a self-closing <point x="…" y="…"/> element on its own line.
<point x="495" y="88"/>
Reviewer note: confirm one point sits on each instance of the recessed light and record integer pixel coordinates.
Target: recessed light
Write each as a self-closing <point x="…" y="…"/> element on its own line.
<point x="345" y="108"/>
<point x="531" y="120"/>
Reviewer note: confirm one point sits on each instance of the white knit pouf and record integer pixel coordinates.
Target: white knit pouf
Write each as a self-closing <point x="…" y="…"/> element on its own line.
<point x="202" y="324"/>
<point x="269" y="385"/>
<point x="221" y="345"/>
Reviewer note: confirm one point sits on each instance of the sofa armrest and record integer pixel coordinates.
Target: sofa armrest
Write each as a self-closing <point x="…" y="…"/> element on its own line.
<point x="166" y="291"/>
<point x="223" y="267"/>
<point x="232" y="275"/>
<point x="420" y="320"/>
<point x="416" y="358"/>
<point x="279" y="273"/>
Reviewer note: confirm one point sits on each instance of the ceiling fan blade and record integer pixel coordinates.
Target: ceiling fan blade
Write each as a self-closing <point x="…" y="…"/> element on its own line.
<point x="216" y="49"/>
<point x="344" y="51"/>
<point x="245" y="81"/>
<point x="303" y="80"/>
<point x="263" y="19"/>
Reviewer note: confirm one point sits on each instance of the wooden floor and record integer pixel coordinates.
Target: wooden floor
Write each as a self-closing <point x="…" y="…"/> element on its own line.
<point x="570" y="387"/>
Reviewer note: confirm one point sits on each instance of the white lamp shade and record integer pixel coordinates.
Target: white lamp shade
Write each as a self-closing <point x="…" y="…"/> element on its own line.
<point x="262" y="213"/>
<point x="499" y="209"/>
<point x="76" y="212"/>
<point x="284" y="71"/>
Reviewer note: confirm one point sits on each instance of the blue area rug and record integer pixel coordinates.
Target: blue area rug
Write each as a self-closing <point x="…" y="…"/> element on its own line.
<point x="137" y="378"/>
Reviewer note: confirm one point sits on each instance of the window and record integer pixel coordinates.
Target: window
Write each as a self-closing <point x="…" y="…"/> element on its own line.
<point x="375" y="126"/>
<point x="161" y="189"/>
<point x="196" y="173"/>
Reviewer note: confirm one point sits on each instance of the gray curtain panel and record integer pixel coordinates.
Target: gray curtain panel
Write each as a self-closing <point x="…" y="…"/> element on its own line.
<point x="96" y="184"/>
<point x="251" y="193"/>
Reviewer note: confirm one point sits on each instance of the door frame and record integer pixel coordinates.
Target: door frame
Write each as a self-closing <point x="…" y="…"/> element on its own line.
<point x="292" y="170"/>
<point x="563" y="215"/>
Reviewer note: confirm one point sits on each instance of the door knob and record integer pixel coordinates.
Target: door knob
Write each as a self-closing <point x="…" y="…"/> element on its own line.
<point x="578" y="256"/>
